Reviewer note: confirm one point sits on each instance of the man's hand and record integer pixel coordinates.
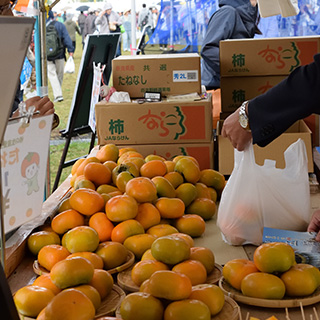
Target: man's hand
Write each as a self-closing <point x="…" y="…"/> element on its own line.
<point x="314" y="225"/>
<point x="232" y="130"/>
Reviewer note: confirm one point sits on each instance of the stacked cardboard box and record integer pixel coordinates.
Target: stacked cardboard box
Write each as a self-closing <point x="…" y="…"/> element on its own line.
<point x="250" y="67"/>
<point x="180" y="127"/>
<point x="168" y="74"/>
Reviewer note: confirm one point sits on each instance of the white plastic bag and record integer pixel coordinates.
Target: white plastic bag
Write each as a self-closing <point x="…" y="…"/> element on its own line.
<point x="69" y="67"/>
<point x="265" y="196"/>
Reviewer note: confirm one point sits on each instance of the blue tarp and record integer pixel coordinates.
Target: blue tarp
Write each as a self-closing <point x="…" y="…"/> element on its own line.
<point x="184" y="22"/>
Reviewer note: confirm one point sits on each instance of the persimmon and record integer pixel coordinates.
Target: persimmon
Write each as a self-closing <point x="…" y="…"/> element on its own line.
<point x="204" y="207"/>
<point x="67" y="220"/>
<point x="102" y="280"/>
<point x="30" y="300"/>
<point x="92" y="293"/>
<point x="121" y="208"/>
<point x="70" y="304"/>
<point x="139" y="243"/>
<point x="108" y="152"/>
<point x="193" y="269"/>
<point x="51" y="254"/>
<point x="139" y="305"/>
<point x="191" y="224"/>
<point x="98" y="173"/>
<point x="170" y="285"/>
<point x="170" y="208"/>
<point x="187" y="192"/>
<point x="162" y="229"/>
<point x="39" y="239"/>
<point x="112" y="253"/>
<point x="82" y="238"/>
<point x="142" y="189"/>
<point x="148" y="215"/>
<point x="164" y="187"/>
<point x="44" y="280"/>
<point x="175" y="178"/>
<point x="263" y="285"/>
<point x="126" y="229"/>
<point x="143" y="270"/>
<point x="236" y="269"/>
<point x="72" y="272"/>
<point x="188" y="169"/>
<point x="153" y="168"/>
<point x="100" y="222"/>
<point x="170" y="249"/>
<point x="187" y="309"/>
<point x="96" y="260"/>
<point x="205" y="256"/>
<point x="86" y="201"/>
<point x="210" y="294"/>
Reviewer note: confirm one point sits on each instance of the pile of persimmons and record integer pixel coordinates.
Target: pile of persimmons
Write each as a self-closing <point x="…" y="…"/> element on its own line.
<point x="272" y="274"/>
<point x="122" y="202"/>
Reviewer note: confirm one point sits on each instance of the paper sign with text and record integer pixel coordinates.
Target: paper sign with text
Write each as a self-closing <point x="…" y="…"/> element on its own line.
<point x="24" y="156"/>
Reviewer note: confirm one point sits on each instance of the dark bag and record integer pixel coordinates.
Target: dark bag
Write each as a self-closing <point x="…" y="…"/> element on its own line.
<point x="54" y="44"/>
<point x="145" y="20"/>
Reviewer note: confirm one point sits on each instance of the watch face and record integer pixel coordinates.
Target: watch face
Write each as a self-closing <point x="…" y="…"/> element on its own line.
<point x="243" y="121"/>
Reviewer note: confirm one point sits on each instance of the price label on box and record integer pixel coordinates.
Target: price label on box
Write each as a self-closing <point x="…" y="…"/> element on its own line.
<point x="24" y="158"/>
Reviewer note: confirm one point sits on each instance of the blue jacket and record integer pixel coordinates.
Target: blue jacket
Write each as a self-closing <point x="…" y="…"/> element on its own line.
<point x="64" y="35"/>
<point x="235" y="19"/>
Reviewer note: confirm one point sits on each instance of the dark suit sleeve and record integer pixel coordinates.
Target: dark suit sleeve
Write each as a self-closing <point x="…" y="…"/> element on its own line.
<point x="295" y="98"/>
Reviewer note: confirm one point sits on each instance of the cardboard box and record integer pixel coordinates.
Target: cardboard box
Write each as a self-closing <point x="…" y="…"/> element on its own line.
<point x="235" y="90"/>
<point x="169" y="74"/>
<point x="203" y="152"/>
<point x="156" y="122"/>
<point x="266" y="56"/>
<point x="274" y="151"/>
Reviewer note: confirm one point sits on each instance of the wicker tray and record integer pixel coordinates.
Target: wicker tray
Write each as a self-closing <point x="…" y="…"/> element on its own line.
<point x="286" y="302"/>
<point x="39" y="270"/>
<point x="108" y="306"/>
<point x="125" y="282"/>
<point x="230" y="311"/>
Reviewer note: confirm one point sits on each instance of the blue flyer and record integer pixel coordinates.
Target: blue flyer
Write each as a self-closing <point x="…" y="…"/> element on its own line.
<point x="307" y="249"/>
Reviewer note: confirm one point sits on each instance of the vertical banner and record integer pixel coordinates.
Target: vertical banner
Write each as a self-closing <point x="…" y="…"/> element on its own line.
<point x="24" y="155"/>
<point x="96" y="84"/>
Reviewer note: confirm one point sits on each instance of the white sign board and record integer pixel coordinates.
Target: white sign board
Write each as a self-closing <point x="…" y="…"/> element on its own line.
<point x="24" y="155"/>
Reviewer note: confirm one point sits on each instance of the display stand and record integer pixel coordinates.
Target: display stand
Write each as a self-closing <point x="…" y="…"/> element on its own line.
<point x="97" y="49"/>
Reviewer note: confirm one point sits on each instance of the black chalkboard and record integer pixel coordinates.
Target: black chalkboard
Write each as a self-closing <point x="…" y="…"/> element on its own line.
<point x="102" y="49"/>
<point x="98" y="48"/>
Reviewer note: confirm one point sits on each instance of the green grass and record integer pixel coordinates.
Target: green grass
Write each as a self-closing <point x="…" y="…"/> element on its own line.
<point x="78" y="147"/>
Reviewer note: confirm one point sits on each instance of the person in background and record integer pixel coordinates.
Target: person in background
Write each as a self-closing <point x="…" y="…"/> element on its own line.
<point x="59" y="17"/>
<point x="263" y="118"/>
<point x="56" y="64"/>
<point x="42" y="104"/>
<point x="126" y="36"/>
<point x="81" y="22"/>
<point x="72" y="29"/>
<point x="89" y="24"/>
<point x="235" y="19"/>
<point x="108" y="21"/>
<point x="145" y="20"/>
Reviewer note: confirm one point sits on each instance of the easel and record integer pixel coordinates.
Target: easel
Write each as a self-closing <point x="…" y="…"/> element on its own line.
<point x="98" y="48"/>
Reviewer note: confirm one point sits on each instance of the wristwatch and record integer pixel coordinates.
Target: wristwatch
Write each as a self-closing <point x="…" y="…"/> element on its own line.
<point x="243" y="118"/>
